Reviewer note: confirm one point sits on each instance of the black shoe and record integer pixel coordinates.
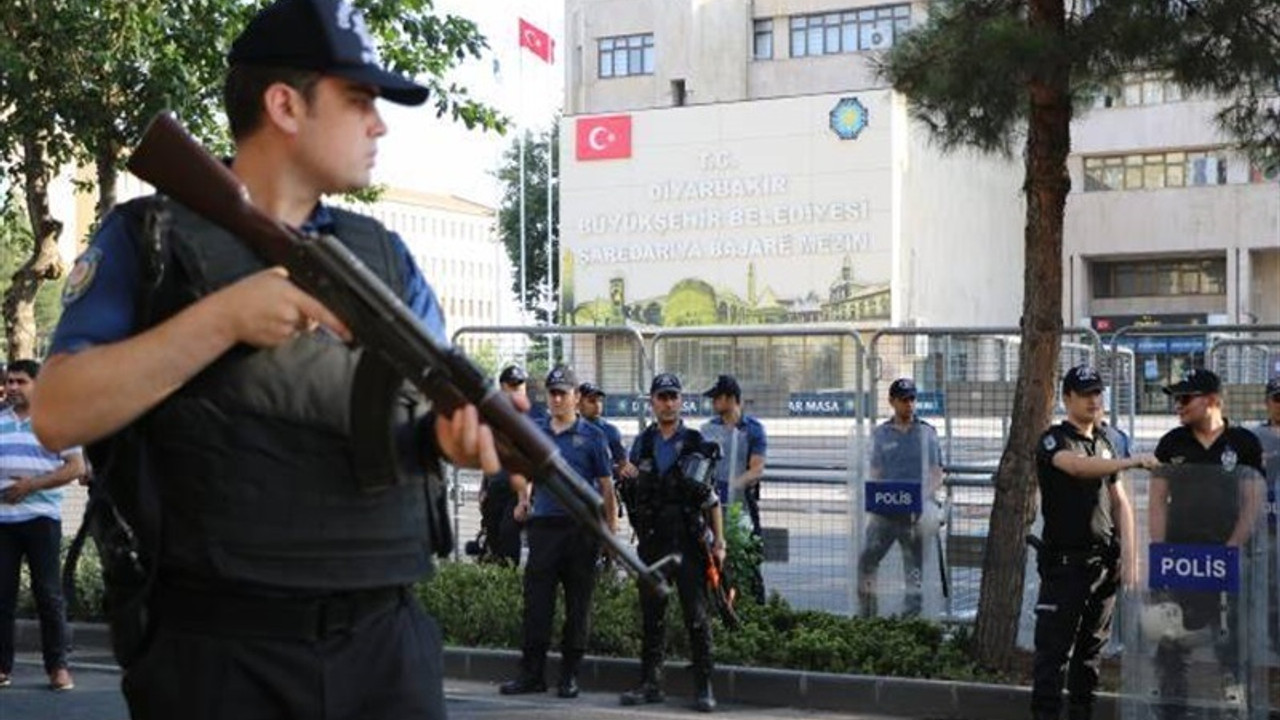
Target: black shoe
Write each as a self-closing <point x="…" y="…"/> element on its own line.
<point x="568" y="687"/>
<point x="523" y="686"/>
<point x="706" y="701"/>
<point x="645" y="694"/>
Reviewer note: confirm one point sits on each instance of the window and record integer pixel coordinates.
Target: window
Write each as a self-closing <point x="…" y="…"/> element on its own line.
<point x="1181" y="276"/>
<point x="848" y="32"/>
<point x="1146" y="88"/>
<point x="1151" y="171"/>
<point x="762" y="40"/>
<point x="626" y="55"/>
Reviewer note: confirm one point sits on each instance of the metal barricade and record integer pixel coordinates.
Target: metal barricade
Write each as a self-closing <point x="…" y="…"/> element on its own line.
<point x="804" y="383"/>
<point x="1159" y="354"/>
<point x="966" y="379"/>
<point x="612" y="357"/>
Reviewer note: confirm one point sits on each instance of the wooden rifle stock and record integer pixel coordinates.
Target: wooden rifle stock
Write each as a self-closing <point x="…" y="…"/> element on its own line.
<point x="180" y="168"/>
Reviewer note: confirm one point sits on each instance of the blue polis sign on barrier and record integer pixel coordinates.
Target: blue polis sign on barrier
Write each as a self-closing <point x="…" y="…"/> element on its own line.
<point x="893" y="498"/>
<point x="1210" y="568"/>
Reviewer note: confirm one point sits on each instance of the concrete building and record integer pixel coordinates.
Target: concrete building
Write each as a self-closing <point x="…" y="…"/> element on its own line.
<point x="740" y="162"/>
<point x="677" y="110"/>
<point x="1167" y="225"/>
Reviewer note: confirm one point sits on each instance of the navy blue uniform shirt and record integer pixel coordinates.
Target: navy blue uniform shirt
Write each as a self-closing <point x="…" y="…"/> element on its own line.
<point x="584" y="447"/>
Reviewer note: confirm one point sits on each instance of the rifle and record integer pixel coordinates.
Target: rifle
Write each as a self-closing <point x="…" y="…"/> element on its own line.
<point x="718" y="585"/>
<point x="171" y="160"/>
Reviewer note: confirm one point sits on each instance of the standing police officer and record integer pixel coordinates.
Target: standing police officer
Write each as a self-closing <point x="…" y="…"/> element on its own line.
<point x="498" y="496"/>
<point x="671" y="513"/>
<point x="284" y="586"/>
<point x="904" y="448"/>
<point x="1088" y="520"/>
<point x="591" y="408"/>
<point x="560" y="551"/>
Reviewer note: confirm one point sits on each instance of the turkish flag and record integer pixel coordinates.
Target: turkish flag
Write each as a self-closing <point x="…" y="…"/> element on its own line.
<point x="607" y="137"/>
<point x="538" y="41"/>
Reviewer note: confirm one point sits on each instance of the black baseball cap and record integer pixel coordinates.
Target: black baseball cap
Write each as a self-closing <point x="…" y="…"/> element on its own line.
<point x="327" y="36"/>
<point x="902" y="388"/>
<point x="1273" y="387"/>
<point x="725" y="385"/>
<point x="1197" y="381"/>
<point x="561" y="378"/>
<point x="1081" y="380"/>
<point x="665" y="382"/>
<point x="589" y="389"/>
<point x="513" y="375"/>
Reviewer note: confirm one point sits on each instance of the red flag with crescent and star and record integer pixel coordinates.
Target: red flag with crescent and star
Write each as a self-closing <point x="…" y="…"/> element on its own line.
<point x="607" y="137"/>
<point x="537" y="40"/>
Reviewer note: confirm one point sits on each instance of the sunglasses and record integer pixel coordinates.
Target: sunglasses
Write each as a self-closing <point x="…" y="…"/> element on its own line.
<point x="1185" y="399"/>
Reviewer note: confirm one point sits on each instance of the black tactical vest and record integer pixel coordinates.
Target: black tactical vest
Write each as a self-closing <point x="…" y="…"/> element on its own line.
<point x="667" y="504"/>
<point x="256" y="457"/>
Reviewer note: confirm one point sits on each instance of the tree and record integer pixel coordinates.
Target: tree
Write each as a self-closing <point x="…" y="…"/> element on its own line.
<point x="987" y="73"/>
<point x="121" y="61"/>
<point x="538" y="265"/>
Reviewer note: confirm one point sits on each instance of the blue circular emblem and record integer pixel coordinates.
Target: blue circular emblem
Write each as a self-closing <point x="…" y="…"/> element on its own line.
<point x="848" y="118"/>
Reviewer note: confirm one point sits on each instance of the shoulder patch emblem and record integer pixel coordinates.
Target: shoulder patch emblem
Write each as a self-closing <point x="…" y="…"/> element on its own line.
<point x="81" y="275"/>
<point x="1229" y="459"/>
<point x="1050" y="442"/>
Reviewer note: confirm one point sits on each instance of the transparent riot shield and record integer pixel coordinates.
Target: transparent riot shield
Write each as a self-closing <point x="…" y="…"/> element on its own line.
<point x="1195" y="625"/>
<point x="898" y="547"/>
<point x="735" y="457"/>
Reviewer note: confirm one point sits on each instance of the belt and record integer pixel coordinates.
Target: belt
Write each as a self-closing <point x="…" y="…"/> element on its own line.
<point x="282" y="618"/>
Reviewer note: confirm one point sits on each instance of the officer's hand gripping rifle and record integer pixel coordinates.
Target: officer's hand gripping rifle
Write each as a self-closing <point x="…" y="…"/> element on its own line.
<point x="178" y="167"/>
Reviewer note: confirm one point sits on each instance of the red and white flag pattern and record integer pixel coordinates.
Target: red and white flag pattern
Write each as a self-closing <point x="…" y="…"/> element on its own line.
<point x="537" y="40"/>
<point x="607" y="137"/>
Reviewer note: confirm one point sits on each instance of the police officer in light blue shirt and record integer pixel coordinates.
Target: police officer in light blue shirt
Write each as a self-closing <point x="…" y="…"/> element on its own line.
<point x="904" y="448"/>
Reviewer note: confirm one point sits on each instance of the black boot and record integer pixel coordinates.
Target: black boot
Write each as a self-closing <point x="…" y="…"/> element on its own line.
<point x="531" y="679"/>
<point x="649" y="690"/>
<point x="568" y="687"/>
<point x="705" y="699"/>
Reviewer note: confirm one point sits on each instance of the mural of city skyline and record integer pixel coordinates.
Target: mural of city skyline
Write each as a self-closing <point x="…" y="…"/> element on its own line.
<point x="693" y="301"/>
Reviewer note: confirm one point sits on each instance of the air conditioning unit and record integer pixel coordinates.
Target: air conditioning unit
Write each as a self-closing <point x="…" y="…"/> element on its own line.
<point x="879" y="36"/>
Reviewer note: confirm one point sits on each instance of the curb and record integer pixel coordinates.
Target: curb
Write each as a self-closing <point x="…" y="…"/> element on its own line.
<point x="767" y="687"/>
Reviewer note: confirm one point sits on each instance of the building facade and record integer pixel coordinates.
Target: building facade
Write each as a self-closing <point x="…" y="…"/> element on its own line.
<point x="740" y="162"/>
<point x="1166" y="225"/>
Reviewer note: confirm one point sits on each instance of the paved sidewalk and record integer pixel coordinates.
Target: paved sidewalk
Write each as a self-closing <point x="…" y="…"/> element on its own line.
<point x="742" y="688"/>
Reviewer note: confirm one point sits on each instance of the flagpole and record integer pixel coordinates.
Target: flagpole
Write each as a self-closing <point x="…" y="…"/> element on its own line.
<point x="524" y="296"/>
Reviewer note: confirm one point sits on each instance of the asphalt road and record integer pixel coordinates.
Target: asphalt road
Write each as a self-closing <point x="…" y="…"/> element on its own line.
<point x="97" y="697"/>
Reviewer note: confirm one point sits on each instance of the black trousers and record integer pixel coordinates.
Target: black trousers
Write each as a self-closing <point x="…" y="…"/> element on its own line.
<point x="38" y="541"/>
<point x="882" y="532"/>
<point x="560" y="553"/>
<point x="387" y="665"/>
<point x="1073" y="623"/>
<point x="691" y="584"/>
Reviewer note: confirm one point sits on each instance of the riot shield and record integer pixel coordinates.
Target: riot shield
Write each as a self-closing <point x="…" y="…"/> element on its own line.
<point x="1195" y="626"/>
<point x="898" y="513"/>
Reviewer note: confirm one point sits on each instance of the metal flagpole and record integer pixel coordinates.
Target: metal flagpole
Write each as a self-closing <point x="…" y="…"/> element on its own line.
<point x="524" y="297"/>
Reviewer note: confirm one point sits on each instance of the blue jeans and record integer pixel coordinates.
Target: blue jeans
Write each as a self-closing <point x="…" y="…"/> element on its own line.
<point x="40" y="542"/>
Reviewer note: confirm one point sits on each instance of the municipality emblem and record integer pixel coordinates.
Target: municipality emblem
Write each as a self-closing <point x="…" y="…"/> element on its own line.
<point x="848" y="118"/>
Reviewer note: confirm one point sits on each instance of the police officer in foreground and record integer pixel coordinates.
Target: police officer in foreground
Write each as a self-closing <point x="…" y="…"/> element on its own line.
<point x="1208" y="491"/>
<point x="673" y="512"/>
<point x="560" y="551"/>
<point x="291" y="532"/>
<point x="1088" y="542"/>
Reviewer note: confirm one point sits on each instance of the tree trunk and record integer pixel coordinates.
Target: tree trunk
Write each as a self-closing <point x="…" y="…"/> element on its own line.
<point x="19" y="307"/>
<point x="1047" y="184"/>
<point x="105" y="155"/>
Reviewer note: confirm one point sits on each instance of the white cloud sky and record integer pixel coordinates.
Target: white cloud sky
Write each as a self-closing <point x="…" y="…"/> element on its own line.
<point x="421" y="152"/>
